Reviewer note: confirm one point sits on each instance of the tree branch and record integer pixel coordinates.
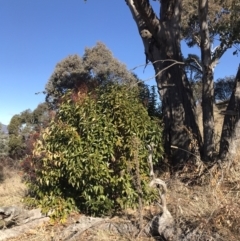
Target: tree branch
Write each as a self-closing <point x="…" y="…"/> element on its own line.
<point x="148" y="15"/>
<point x="170" y="60"/>
<point x="197" y="40"/>
<point x="195" y="67"/>
<point x="197" y="63"/>
<point x="165" y="224"/>
<point x="169" y="66"/>
<point x="160" y="60"/>
<point x="217" y="54"/>
<point x="170" y="10"/>
<point x="144" y="32"/>
<point x="136" y="16"/>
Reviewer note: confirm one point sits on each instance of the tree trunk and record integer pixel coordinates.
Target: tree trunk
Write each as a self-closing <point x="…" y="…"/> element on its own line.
<point x="230" y="137"/>
<point x="161" y="39"/>
<point x="207" y="82"/>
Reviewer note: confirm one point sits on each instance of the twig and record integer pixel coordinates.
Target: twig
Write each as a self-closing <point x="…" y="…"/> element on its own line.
<point x="201" y="172"/>
<point x="163" y="70"/>
<point x="176" y="147"/>
<point x="142" y="230"/>
<point x="196" y="62"/>
<point x="160" y="60"/>
<point x="135" y="143"/>
<point x="80" y="232"/>
<point x="171" y="60"/>
<point x="150" y="163"/>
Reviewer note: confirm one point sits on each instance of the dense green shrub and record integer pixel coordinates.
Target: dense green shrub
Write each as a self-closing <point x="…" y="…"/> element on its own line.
<point x="91" y="155"/>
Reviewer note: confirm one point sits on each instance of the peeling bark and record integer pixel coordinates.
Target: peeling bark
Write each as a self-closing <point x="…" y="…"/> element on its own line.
<point x="207" y="82"/>
<point x="230" y="137"/>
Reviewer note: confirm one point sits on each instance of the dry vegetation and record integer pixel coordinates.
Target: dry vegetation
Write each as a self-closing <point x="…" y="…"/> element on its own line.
<point x="203" y="199"/>
<point x="12" y="189"/>
<point x="218" y="120"/>
<point x="209" y="201"/>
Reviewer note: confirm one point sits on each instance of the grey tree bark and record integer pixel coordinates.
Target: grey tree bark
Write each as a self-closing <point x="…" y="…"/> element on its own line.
<point x="207" y="82"/>
<point x="161" y="40"/>
<point x="230" y="137"/>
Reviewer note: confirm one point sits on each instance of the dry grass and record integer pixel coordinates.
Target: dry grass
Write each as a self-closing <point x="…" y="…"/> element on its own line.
<point x="210" y="203"/>
<point x="12" y="189"/>
<point x="218" y="120"/>
<point x="41" y="233"/>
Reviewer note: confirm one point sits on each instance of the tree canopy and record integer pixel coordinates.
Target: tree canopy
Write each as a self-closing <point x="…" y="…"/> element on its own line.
<point x="96" y="67"/>
<point x="223" y="88"/>
<point x="21" y="127"/>
<point x="3" y="142"/>
<point x="223" y="23"/>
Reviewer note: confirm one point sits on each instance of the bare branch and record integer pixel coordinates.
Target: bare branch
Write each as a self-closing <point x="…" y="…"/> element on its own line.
<point x="196" y="62"/>
<point x="165" y="222"/>
<point x="217" y="54"/>
<point x="170" y="60"/>
<point x="150" y="149"/>
<point x="175" y="62"/>
<point x="142" y="27"/>
<point x="160" y="60"/>
<point x="197" y="39"/>
<point x="156" y="181"/>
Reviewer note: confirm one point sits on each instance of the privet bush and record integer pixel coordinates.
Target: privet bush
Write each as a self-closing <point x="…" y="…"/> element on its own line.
<point x="93" y="154"/>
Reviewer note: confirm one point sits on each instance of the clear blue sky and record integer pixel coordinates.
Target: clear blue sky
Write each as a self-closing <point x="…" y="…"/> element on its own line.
<point x="36" y="35"/>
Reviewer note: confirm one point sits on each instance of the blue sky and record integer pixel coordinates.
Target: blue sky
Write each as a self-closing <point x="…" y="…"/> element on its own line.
<point x="36" y="35"/>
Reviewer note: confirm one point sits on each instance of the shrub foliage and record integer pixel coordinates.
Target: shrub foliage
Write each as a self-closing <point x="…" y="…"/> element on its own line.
<point x="91" y="155"/>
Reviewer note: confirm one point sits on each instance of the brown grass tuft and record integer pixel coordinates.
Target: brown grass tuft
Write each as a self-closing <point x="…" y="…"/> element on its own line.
<point x="208" y="201"/>
<point x="12" y="189"/>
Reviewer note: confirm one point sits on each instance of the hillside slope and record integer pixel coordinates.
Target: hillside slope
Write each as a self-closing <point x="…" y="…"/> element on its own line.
<point x="3" y="128"/>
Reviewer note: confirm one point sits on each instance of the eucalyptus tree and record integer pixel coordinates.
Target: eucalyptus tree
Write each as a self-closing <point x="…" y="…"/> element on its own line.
<point x="15" y="142"/>
<point x="22" y="126"/>
<point x="223" y="24"/>
<point x="3" y="141"/>
<point x="229" y="143"/>
<point x="199" y="23"/>
<point x="96" y="67"/>
<point x="193" y="68"/>
<point x="223" y="88"/>
<point x="207" y="80"/>
<point x="161" y="36"/>
<point x="202" y="25"/>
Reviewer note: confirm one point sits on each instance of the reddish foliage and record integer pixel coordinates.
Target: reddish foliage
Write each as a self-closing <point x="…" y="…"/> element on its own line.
<point x="33" y="137"/>
<point x="82" y="89"/>
<point x="29" y="165"/>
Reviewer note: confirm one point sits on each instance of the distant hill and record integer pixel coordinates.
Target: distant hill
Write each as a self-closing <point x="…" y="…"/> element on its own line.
<point x="3" y="128"/>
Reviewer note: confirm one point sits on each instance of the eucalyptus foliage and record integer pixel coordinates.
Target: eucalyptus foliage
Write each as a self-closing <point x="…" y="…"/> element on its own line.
<point x="96" y="67"/>
<point x="91" y="155"/>
<point x="22" y="126"/>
